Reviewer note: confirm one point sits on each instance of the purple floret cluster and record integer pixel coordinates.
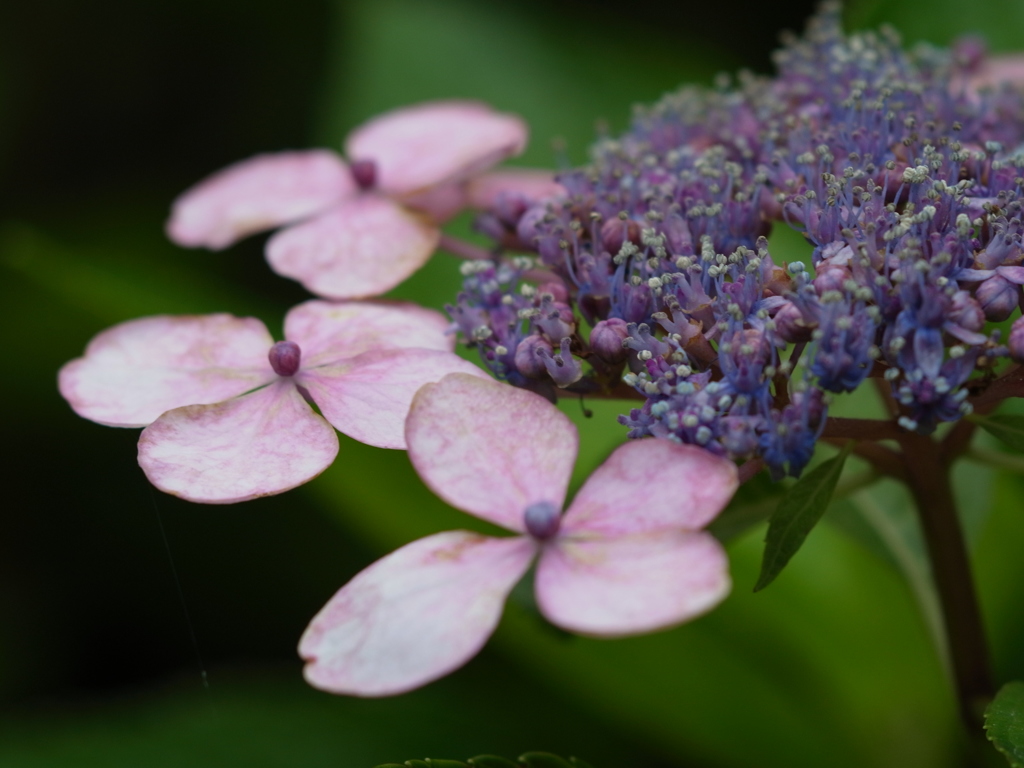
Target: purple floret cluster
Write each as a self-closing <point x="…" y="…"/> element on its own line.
<point x="652" y="274"/>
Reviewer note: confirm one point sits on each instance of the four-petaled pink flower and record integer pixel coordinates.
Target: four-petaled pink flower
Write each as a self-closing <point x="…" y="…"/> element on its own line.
<point x="627" y="556"/>
<point x="369" y="224"/>
<point x="226" y="407"/>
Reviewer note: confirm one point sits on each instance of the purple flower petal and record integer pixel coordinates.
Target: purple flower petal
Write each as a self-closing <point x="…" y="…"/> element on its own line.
<point x="368" y="397"/>
<point x="414" y="616"/>
<point x="327" y="332"/>
<point x="260" y="193"/>
<point x="490" y="449"/>
<point x="259" y="444"/>
<point x="133" y="372"/>
<point x="630" y="584"/>
<point x="649" y="486"/>
<point x="437" y="142"/>
<point x="364" y="247"/>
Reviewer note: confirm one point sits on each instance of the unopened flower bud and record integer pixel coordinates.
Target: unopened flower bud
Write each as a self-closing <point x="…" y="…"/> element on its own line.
<point x="998" y="298"/>
<point x="790" y="324"/>
<point x="615" y="232"/>
<point x="830" y="278"/>
<point x="606" y="339"/>
<point x="967" y="312"/>
<point x="1016" y="340"/>
<point x="284" y="358"/>
<point x="528" y="358"/>
<point x="557" y="291"/>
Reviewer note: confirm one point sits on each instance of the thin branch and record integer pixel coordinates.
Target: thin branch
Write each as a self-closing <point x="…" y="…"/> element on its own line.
<point x="929" y="483"/>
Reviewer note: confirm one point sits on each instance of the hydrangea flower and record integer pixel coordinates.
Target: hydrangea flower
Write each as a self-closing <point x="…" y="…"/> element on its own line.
<point x="228" y="409"/>
<point x="627" y="556"/>
<point x="901" y="171"/>
<point x="358" y="228"/>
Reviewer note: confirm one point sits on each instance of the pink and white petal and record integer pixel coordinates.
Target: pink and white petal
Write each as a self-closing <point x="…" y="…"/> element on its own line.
<point x="532" y="184"/>
<point x="651" y="485"/>
<point x="329" y="331"/>
<point x="134" y="371"/>
<point x="414" y="616"/>
<point x="489" y="448"/>
<point x="439" y="203"/>
<point x="994" y="71"/>
<point x="368" y="397"/>
<point x="259" y="444"/>
<point x="364" y="247"/>
<point x="630" y="584"/>
<point x="434" y="143"/>
<point x="260" y="193"/>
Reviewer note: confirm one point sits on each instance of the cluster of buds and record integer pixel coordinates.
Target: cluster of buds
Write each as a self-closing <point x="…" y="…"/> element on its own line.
<point x="899" y="170"/>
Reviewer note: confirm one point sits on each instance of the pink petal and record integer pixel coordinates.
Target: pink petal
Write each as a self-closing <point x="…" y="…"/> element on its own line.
<point x="260" y="193"/>
<point x="364" y="247"/>
<point x="490" y="449"/>
<point x="532" y="184"/>
<point x="259" y="444"/>
<point x="327" y="331"/>
<point x="368" y="397"/>
<point x="414" y="616"/>
<point x="441" y="141"/>
<point x="630" y="584"/>
<point x="135" y="371"/>
<point x="439" y="203"/>
<point x="652" y="485"/>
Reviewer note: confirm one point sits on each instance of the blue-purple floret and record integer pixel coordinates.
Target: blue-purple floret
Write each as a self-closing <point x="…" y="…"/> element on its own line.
<point x="906" y="183"/>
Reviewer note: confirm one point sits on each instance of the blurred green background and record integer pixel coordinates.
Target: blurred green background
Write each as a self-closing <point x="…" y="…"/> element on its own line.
<point x="137" y="630"/>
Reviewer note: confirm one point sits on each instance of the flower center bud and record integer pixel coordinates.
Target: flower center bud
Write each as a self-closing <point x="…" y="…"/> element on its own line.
<point x="284" y="358"/>
<point x="542" y="520"/>
<point x="365" y="173"/>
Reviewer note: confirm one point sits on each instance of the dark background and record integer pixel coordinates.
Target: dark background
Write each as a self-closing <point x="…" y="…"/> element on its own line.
<point x="140" y="630"/>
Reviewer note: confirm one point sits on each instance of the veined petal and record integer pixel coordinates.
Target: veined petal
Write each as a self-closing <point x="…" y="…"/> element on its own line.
<point x="328" y="331"/>
<point x="441" y="141"/>
<point x="533" y="184"/>
<point x="490" y="449"/>
<point x="368" y="397"/>
<point x="652" y="485"/>
<point x="259" y="444"/>
<point x="133" y="372"/>
<point x="364" y="247"/>
<point x="414" y="616"/>
<point x="260" y="193"/>
<point x="630" y="584"/>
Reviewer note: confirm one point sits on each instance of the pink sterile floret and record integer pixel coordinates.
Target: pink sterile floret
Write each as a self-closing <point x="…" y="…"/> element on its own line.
<point x="627" y="556"/>
<point x="355" y="230"/>
<point x="226" y="407"/>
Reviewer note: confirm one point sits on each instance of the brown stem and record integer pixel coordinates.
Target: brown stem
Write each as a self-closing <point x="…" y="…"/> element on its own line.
<point x="883" y="460"/>
<point x="928" y="478"/>
<point x="884" y="390"/>
<point x="862" y="429"/>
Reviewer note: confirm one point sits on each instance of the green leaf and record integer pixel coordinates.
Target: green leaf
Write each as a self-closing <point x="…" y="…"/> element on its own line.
<point x="1004" y="722"/>
<point x="797" y="513"/>
<point x="575" y="761"/>
<point x="1006" y="427"/>
<point x="491" y="761"/>
<point x="543" y="760"/>
<point x="432" y="763"/>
